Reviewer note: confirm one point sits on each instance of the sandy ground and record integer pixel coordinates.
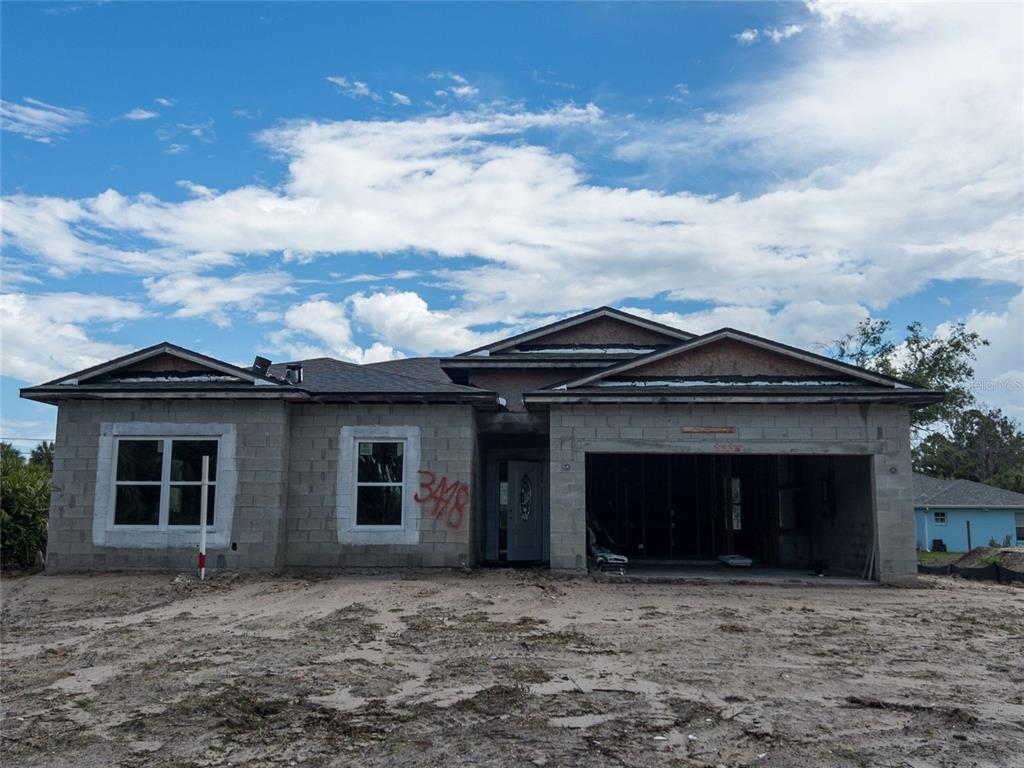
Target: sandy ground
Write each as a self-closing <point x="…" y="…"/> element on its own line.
<point x="507" y="668"/>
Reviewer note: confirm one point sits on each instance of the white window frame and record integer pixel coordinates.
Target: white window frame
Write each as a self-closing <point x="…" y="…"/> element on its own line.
<point x="164" y="484"/>
<point x="400" y="484"/>
<point x="349" y="531"/>
<point x="107" y="534"/>
<point x="935" y="517"/>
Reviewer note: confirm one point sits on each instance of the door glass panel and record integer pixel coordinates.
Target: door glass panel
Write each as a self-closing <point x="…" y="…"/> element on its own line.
<point x="525" y="497"/>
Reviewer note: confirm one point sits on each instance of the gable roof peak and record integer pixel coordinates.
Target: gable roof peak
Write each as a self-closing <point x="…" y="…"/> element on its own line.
<point x="804" y="357"/>
<point x="668" y="333"/>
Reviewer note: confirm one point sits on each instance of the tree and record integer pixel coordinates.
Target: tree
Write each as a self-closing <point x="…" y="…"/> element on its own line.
<point x="42" y="455"/>
<point x="943" y="362"/>
<point x="984" y="446"/>
<point x="24" y="508"/>
<point x="9" y="455"/>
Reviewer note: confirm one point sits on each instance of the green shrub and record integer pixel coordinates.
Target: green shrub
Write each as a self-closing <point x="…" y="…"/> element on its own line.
<point x="24" y="509"/>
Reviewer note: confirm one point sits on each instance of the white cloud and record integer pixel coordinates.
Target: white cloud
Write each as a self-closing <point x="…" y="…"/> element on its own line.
<point x="202" y="131"/>
<point x="355" y="89"/>
<point x="164" y="101"/>
<point x="39" y="121"/>
<point x="67" y="238"/>
<point x="44" y="335"/>
<point x="320" y="328"/>
<point x="680" y="93"/>
<point x="176" y="149"/>
<point x="458" y="88"/>
<point x="812" y="325"/>
<point x="403" y="319"/>
<point x="217" y="299"/>
<point x="141" y="114"/>
<point x="859" y="200"/>
<point x="747" y="37"/>
<point x="365" y="277"/>
<point x="400" y="98"/>
<point x="999" y="371"/>
<point x="199" y="190"/>
<point x="777" y="34"/>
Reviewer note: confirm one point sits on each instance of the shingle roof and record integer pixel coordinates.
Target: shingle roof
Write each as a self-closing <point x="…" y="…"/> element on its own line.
<point x="935" y="492"/>
<point x="327" y="375"/>
<point x="424" y="368"/>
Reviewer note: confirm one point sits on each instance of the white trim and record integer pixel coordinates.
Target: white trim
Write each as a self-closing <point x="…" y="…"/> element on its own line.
<point x="106" y="534"/>
<point x="350" y="533"/>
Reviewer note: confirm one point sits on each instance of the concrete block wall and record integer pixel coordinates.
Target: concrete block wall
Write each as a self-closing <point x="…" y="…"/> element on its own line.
<point x="446" y="448"/>
<point x="262" y="433"/>
<point x="843" y="538"/>
<point x="879" y="431"/>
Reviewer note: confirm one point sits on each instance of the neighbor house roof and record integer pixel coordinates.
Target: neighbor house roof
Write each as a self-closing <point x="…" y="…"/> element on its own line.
<point x="936" y="492"/>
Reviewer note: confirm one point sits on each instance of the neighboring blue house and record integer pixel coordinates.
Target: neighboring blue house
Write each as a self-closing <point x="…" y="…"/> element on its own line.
<point x="964" y="514"/>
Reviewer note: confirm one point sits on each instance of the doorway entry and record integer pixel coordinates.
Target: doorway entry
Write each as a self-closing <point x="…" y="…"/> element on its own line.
<point x="524" y="511"/>
<point x="516" y="524"/>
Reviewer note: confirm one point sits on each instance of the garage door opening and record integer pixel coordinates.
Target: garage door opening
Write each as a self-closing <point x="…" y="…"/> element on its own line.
<point x="778" y="510"/>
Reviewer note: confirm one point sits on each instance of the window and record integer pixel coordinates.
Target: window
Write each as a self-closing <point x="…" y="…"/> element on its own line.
<point x="939" y="517"/>
<point x="379" y="483"/>
<point x="737" y="505"/>
<point x="1019" y="525"/>
<point x="378" y="479"/>
<point x="158" y="481"/>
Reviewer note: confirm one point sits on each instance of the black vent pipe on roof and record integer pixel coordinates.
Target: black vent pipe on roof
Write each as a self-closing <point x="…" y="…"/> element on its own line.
<point x="260" y="366"/>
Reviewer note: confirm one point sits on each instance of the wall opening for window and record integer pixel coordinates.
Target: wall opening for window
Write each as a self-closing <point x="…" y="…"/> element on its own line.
<point x="939" y="517"/>
<point x="158" y="481"/>
<point x="1019" y="525"/>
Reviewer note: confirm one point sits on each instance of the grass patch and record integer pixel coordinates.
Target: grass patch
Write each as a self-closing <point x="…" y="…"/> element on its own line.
<point x="937" y="558"/>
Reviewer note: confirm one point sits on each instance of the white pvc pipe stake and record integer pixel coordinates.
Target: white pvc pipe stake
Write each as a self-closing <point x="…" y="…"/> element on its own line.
<point x="202" y="518"/>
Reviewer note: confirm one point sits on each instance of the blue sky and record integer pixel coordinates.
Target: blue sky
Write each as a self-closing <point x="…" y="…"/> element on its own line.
<point x="368" y="181"/>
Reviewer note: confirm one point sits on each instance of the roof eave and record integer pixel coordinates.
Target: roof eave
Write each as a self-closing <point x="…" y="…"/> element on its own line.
<point x="911" y="399"/>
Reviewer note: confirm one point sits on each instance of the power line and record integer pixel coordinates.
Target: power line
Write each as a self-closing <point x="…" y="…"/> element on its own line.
<point x="27" y="439"/>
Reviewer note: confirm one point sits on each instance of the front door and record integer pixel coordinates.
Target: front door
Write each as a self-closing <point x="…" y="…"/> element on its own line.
<point x="525" y="511"/>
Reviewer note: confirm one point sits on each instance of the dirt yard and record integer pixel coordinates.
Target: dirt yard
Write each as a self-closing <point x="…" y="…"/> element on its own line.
<point x="504" y="668"/>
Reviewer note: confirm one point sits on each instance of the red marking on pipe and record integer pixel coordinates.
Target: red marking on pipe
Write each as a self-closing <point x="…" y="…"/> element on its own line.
<point x="202" y="560"/>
